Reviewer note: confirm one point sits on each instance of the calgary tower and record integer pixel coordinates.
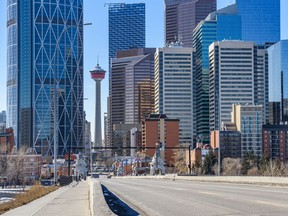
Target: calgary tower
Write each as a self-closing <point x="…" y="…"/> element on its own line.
<point x="98" y="74"/>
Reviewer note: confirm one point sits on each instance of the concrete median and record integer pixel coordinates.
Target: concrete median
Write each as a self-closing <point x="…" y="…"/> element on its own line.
<point x="98" y="205"/>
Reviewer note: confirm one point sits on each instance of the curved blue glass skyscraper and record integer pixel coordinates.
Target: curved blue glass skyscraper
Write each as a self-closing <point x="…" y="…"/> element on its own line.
<point x="260" y="20"/>
<point x="45" y="73"/>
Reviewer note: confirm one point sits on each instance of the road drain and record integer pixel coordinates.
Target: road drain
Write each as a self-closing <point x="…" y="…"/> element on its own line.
<point x="116" y="205"/>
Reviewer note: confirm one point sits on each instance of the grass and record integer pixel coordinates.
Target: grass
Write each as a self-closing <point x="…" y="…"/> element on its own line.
<point x="34" y="193"/>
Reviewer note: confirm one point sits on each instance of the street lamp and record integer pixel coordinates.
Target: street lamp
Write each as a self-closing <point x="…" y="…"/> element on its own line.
<point x="219" y="129"/>
<point x="189" y="149"/>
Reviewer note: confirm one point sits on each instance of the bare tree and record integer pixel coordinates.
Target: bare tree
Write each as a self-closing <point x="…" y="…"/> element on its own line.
<point x="180" y="161"/>
<point x="15" y="166"/>
<point x="231" y="167"/>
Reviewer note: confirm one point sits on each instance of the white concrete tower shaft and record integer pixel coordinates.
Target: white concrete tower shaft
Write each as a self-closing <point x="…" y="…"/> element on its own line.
<point x="97" y="74"/>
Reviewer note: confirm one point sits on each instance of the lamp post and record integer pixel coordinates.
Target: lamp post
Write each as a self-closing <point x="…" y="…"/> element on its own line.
<point x="189" y="149"/>
<point x="219" y="125"/>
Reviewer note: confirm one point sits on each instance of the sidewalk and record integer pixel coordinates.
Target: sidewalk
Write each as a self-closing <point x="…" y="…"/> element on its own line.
<point x="70" y="200"/>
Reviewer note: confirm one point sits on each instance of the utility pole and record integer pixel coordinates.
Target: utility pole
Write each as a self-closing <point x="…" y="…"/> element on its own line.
<point x="189" y="148"/>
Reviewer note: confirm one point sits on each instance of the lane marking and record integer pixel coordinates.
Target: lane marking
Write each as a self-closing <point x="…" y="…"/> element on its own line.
<point x="270" y="203"/>
<point x="209" y="193"/>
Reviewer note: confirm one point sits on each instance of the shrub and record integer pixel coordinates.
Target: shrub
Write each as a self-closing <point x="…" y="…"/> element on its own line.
<point x="34" y="193"/>
<point x="231" y="167"/>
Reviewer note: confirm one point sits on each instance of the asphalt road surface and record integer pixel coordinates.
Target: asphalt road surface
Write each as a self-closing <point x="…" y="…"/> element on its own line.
<point x="181" y="198"/>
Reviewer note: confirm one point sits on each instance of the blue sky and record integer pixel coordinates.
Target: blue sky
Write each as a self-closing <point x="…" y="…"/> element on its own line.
<point x="96" y="42"/>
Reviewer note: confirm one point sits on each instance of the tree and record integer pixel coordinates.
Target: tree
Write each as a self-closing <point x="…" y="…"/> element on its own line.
<point x="180" y="161"/>
<point x="231" y="167"/>
<point x="248" y="162"/>
<point x="15" y="166"/>
<point x="196" y="167"/>
<point x="3" y="166"/>
<point x="209" y="162"/>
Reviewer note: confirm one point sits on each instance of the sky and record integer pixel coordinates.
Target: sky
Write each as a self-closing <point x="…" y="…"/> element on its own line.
<point x="96" y="43"/>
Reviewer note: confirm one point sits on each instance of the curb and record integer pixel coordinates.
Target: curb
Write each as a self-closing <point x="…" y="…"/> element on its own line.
<point x="98" y="205"/>
<point x="256" y="180"/>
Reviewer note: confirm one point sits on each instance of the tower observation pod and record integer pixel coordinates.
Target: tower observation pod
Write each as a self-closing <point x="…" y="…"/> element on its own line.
<point x="97" y="74"/>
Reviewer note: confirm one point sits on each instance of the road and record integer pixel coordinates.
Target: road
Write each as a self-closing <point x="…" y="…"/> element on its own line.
<point x="181" y="198"/>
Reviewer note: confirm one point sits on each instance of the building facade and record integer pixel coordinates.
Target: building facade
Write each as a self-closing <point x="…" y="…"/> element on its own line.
<point x="44" y="89"/>
<point x="219" y="25"/>
<point x="230" y="141"/>
<point x="278" y="81"/>
<point x="132" y="88"/>
<point x="248" y="120"/>
<point x="174" y="88"/>
<point x="275" y="141"/>
<point x="260" y="20"/>
<point x="126" y="31"/>
<point x="126" y="27"/>
<point x="238" y="74"/>
<point x="182" y="16"/>
<point x="158" y="128"/>
<point x="231" y="79"/>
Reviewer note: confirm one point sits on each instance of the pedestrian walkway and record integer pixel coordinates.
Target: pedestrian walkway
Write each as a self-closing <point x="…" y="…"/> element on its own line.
<point x="71" y="200"/>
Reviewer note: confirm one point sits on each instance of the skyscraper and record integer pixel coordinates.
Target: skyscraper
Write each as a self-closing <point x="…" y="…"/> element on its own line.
<point x="219" y="25"/>
<point x="126" y="31"/>
<point x="238" y="74"/>
<point x="45" y="74"/>
<point x="278" y="80"/>
<point x="260" y="20"/>
<point x="126" y="27"/>
<point x="174" y="88"/>
<point x="231" y="79"/>
<point x="182" y="16"/>
<point x="132" y="86"/>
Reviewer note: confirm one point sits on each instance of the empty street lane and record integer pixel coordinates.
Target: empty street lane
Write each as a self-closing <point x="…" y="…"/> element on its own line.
<point x="171" y="198"/>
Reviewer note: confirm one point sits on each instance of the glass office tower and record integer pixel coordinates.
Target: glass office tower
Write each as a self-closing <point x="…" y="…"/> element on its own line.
<point x="45" y="74"/>
<point x="219" y="25"/>
<point x="126" y="31"/>
<point x="126" y="27"/>
<point x="260" y="20"/>
<point x="182" y="16"/>
<point x="278" y="81"/>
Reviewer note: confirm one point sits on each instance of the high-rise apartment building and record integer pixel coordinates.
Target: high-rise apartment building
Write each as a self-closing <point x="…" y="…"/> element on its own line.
<point x="45" y="74"/>
<point x="248" y="120"/>
<point x="278" y="81"/>
<point x="174" y="88"/>
<point x="219" y="25"/>
<point x="260" y="20"/>
<point x="182" y="16"/>
<point x="275" y="141"/>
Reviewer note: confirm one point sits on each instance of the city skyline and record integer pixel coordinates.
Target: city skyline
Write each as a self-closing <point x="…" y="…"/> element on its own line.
<point x="96" y="42"/>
